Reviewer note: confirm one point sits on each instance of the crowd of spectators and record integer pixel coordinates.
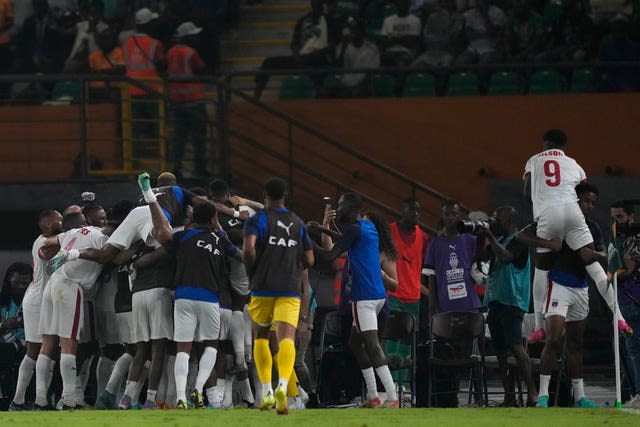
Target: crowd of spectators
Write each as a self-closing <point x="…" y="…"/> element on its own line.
<point x="78" y="36"/>
<point x="503" y="34"/>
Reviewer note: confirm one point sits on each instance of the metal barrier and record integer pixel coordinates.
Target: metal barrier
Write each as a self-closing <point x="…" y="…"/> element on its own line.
<point x="61" y="127"/>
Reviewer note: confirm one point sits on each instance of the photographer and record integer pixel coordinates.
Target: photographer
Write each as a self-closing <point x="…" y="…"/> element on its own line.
<point x="624" y="256"/>
<point x="507" y="297"/>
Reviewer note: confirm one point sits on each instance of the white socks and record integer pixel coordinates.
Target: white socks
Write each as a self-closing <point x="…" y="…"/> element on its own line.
<point x="227" y="401"/>
<point x="540" y="286"/>
<point x="207" y="362"/>
<point x="181" y="370"/>
<point x="25" y="373"/>
<point x="170" y="398"/>
<point x="42" y="379"/>
<point x="103" y="373"/>
<point x="245" y="389"/>
<point x="578" y="388"/>
<point x="596" y="272"/>
<point x="237" y="335"/>
<point x="387" y="381"/>
<point x="68" y="373"/>
<point x="544" y="385"/>
<point x="283" y="382"/>
<point x="192" y="375"/>
<point x="216" y="393"/>
<point x="370" y="381"/>
<point x="82" y="380"/>
<point x="120" y="369"/>
<point x="266" y="389"/>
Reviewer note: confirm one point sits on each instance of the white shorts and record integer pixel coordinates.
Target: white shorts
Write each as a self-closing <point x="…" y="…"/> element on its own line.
<point x="238" y="277"/>
<point x="31" y="305"/>
<point x="570" y="303"/>
<point x="365" y="314"/>
<point x="136" y="226"/>
<point x="225" y="324"/>
<point x="152" y="315"/>
<point x="566" y="222"/>
<point x="196" y="321"/>
<point x="62" y="311"/>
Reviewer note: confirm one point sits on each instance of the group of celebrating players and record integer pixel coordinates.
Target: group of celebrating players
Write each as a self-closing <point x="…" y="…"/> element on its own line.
<point x="184" y="291"/>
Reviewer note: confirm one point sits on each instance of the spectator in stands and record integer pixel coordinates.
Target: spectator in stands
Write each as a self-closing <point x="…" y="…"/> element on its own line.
<point x="484" y="26"/>
<point x="188" y="112"/>
<point x="108" y="58"/>
<point x="523" y="34"/>
<point x="14" y="285"/>
<point x="85" y="41"/>
<point x="6" y="23"/>
<point x="617" y="46"/>
<point x="568" y="33"/>
<point x="355" y="52"/>
<point x="603" y="11"/>
<point x="310" y="47"/>
<point x="400" y="36"/>
<point x="442" y="37"/>
<point x="40" y="44"/>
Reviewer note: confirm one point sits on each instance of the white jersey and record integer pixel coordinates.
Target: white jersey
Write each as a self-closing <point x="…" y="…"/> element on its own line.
<point x="40" y="276"/>
<point x="554" y="177"/>
<point x="81" y="271"/>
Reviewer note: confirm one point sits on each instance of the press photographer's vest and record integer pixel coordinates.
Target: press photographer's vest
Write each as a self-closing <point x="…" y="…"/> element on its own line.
<point x="507" y="284"/>
<point x="278" y="266"/>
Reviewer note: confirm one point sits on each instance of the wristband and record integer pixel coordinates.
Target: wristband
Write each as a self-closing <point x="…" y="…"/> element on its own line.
<point x="236" y="214"/>
<point x="73" y="254"/>
<point x="149" y="196"/>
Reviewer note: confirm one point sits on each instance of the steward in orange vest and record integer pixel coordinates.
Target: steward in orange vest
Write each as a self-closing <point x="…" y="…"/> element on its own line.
<point x="188" y="110"/>
<point x="183" y="61"/>
<point x="143" y="55"/>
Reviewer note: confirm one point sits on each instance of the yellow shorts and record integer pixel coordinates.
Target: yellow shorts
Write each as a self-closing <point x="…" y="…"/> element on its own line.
<point x="267" y="310"/>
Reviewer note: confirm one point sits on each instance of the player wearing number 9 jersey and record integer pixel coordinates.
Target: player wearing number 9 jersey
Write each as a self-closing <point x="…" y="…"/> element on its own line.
<point x="550" y="179"/>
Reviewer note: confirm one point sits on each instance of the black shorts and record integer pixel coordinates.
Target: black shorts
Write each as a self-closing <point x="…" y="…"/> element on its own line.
<point x="505" y="325"/>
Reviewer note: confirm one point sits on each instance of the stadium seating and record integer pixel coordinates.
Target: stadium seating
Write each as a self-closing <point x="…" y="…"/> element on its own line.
<point x="545" y="81"/>
<point x="504" y="83"/>
<point x="582" y="80"/>
<point x="419" y="84"/>
<point x="383" y="85"/>
<point x="296" y="87"/>
<point x="463" y="83"/>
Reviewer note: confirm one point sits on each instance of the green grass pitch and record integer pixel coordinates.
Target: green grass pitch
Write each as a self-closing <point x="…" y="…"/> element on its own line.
<point x="490" y="417"/>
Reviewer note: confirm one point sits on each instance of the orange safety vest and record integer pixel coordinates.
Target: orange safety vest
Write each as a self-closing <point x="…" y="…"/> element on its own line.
<point x="139" y="53"/>
<point x="98" y="61"/>
<point x="179" y="65"/>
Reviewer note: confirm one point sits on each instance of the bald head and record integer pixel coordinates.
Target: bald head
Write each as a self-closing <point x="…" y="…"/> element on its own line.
<point x="167" y="179"/>
<point x="72" y="209"/>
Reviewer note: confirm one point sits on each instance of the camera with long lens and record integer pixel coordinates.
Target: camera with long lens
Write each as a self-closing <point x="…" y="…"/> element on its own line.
<point x="476" y="226"/>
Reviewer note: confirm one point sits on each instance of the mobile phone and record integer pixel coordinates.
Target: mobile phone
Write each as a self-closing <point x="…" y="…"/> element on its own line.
<point x="327" y="200"/>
